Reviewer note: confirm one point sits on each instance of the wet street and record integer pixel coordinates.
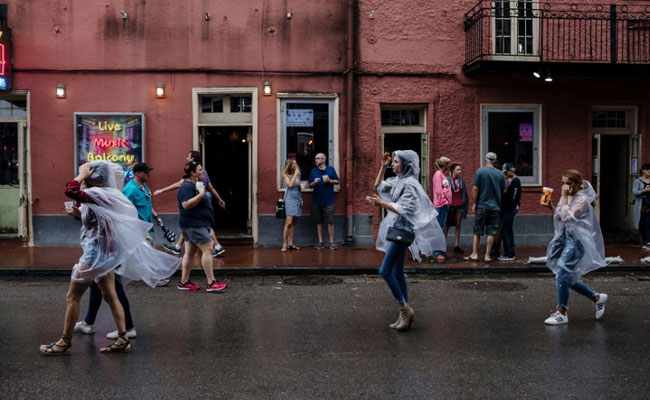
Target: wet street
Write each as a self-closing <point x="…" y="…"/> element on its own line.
<point x="476" y="337"/>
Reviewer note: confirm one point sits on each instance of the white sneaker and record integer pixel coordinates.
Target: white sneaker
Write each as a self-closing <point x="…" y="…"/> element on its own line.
<point x="557" y="318"/>
<point x="82" y="327"/>
<point x="130" y="334"/>
<point x="599" y="306"/>
<point x="217" y="251"/>
<point x="506" y="258"/>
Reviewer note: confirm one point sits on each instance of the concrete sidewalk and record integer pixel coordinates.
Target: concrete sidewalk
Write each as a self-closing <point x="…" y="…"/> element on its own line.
<point x="17" y="259"/>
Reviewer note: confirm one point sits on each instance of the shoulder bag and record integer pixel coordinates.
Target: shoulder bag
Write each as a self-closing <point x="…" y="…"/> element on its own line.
<point x="401" y="232"/>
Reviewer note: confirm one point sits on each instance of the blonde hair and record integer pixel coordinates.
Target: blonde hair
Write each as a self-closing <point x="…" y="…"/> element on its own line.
<point x="288" y="166"/>
<point x="574" y="176"/>
<point x="442" y="162"/>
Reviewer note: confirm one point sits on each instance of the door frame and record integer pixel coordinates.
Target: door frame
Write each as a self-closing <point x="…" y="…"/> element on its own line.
<point x="252" y="142"/>
<point x="634" y="152"/>
<point x="25" y="220"/>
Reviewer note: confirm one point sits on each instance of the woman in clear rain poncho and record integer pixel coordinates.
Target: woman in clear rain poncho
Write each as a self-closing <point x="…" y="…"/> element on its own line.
<point x="577" y="246"/>
<point x="404" y="198"/>
<point x="113" y="240"/>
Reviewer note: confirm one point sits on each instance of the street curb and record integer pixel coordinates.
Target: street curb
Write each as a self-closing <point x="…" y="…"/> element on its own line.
<point x="346" y="270"/>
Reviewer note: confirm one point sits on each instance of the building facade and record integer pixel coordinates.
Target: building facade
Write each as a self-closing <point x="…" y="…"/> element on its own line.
<point x="252" y="83"/>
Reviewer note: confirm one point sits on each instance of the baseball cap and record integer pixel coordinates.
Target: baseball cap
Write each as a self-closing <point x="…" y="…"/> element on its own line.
<point x="141" y="167"/>
<point x="508" y="167"/>
<point x="491" y="157"/>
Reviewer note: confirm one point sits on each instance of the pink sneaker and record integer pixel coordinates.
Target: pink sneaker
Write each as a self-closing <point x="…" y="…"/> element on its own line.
<point x="216" y="286"/>
<point x="188" y="286"/>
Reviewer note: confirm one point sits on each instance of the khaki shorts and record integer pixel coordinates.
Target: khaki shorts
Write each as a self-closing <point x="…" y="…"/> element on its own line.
<point x="486" y="222"/>
<point x="322" y="214"/>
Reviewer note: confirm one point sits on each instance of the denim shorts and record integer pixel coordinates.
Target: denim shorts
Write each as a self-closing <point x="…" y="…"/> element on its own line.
<point x="486" y="222"/>
<point x="197" y="235"/>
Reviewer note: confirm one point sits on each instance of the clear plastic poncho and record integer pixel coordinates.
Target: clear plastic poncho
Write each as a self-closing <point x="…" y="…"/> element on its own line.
<point x="577" y="246"/>
<point x="410" y="201"/>
<point x="112" y="236"/>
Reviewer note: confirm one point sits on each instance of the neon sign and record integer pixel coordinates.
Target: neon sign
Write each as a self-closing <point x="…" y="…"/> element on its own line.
<point x="5" y="58"/>
<point x="116" y="137"/>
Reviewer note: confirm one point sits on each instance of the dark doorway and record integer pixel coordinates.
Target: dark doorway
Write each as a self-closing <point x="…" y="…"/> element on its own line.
<point x="614" y="184"/>
<point x="226" y="160"/>
<point x="402" y="141"/>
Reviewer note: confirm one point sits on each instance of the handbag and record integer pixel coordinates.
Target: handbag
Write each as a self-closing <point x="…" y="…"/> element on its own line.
<point x="279" y="209"/>
<point x="401" y="232"/>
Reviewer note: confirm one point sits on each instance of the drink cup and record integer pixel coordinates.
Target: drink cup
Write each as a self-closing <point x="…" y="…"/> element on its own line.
<point x="303" y="186"/>
<point x="326" y="178"/>
<point x="68" y="205"/>
<point x="546" y="196"/>
<point x="199" y="185"/>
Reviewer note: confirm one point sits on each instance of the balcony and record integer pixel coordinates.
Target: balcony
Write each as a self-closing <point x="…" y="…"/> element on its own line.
<point x="526" y="34"/>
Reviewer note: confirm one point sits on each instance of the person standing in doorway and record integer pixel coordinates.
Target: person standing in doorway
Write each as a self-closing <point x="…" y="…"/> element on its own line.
<point x="292" y="202"/>
<point x="641" y="193"/>
<point x="489" y="184"/>
<point x="509" y="209"/>
<point x="459" y="204"/>
<point x="577" y="246"/>
<point x="322" y="179"/>
<point x="441" y="196"/>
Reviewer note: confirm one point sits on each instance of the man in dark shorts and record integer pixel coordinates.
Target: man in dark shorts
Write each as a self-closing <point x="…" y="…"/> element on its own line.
<point x="489" y="184"/>
<point x="322" y="179"/>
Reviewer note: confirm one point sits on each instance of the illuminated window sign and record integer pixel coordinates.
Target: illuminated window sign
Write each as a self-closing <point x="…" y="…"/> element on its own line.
<point x="5" y="58"/>
<point x="116" y="137"/>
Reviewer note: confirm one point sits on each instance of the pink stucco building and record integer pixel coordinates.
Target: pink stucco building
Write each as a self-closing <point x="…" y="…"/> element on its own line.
<point x="347" y="78"/>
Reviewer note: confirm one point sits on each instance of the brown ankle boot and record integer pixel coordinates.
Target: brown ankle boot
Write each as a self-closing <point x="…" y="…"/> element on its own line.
<point x="406" y="315"/>
<point x="394" y="324"/>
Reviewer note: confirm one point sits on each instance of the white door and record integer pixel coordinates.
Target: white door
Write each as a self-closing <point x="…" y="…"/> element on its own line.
<point x="13" y="180"/>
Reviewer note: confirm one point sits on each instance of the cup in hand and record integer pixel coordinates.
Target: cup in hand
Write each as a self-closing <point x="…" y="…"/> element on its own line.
<point x="546" y="196"/>
<point x="68" y="205"/>
<point x="199" y="185"/>
<point x="326" y="178"/>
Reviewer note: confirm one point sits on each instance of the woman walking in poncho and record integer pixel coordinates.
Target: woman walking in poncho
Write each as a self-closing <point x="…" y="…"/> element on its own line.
<point x="577" y="247"/>
<point x="408" y="206"/>
<point x="113" y="240"/>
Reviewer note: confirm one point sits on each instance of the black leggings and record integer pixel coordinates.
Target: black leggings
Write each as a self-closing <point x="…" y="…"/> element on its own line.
<point x="95" y="300"/>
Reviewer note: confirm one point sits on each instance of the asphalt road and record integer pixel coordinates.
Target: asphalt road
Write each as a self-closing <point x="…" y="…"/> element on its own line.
<point x="475" y="338"/>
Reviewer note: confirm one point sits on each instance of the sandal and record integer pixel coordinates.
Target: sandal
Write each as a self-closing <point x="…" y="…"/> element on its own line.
<point x="48" y="349"/>
<point x="469" y="258"/>
<point x="284" y="249"/>
<point x="124" y="347"/>
<point x="292" y="247"/>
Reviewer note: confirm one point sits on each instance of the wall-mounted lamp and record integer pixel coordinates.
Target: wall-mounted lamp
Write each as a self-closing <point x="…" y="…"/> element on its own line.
<point x="289" y="15"/>
<point x="267" y="88"/>
<point x="207" y="15"/>
<point x="538" y="74"/>
<point x="60" y="91"/>
<point x="160" y="90"/>
<point x="124" y="16"/>
<point x="372" y="15"/>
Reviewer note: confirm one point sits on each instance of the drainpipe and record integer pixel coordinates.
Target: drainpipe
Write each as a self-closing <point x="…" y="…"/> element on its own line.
<point x="349" y="155"/>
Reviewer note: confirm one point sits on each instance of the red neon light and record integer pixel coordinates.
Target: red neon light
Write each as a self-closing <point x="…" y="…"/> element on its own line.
<point x="103" y="143"/>
<point x="2" y="59"/>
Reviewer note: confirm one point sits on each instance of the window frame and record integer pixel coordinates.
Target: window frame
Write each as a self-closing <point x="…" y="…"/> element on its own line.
<point x="536" y="109"/>
<point x="332" y="99"/>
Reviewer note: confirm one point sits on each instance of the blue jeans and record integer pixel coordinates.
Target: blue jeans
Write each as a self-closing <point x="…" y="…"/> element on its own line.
<point x="95" y="300"/>
<point x="443" y="212"/>
<point x="392" y="270"/>
<point x="507" y="233"/>
<point x="563" y="284"/>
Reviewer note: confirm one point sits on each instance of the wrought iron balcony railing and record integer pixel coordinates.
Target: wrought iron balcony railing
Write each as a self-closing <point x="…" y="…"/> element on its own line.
<point x="528" y="30"/>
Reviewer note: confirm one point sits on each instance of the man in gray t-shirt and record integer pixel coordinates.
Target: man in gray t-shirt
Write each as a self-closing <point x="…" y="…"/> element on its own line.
<point x="489" y="184"/>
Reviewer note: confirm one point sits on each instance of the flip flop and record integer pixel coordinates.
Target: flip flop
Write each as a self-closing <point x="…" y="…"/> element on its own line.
<point x="292" y="247"/>
<point x="284" y="249"/>
<point x="488" y="260"/>
<point x="468" y="258"/>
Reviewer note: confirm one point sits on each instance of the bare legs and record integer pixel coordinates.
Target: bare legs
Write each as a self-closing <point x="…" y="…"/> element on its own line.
<point x="206" y="260"/>
<point x="288" y="231"/>
<point x="488" y="247"/>
<point x="75" y="291"/>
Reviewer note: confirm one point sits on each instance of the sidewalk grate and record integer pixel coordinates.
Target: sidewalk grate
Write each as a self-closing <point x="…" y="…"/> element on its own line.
<point x="312" y="280"/>
<point x="491" y="286"/>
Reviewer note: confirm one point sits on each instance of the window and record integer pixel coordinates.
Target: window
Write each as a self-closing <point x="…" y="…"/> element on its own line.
<point x="513" y="133"/>
<point x="610" y="119"/>
<point x="3" y="15"/>
<point x="13" y="108"/>
<point x="307" y="128"/>
<point x="240" y="104"/>
<point x="400" y="117"/>
<point x="8" y="153"/>
<point x="514" y="27"/>
<point x="212" y="104"/>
